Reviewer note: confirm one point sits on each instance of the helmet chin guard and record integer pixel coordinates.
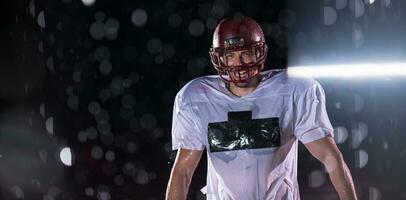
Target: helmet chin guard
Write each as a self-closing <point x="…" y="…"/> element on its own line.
<point x="237" y="34"/>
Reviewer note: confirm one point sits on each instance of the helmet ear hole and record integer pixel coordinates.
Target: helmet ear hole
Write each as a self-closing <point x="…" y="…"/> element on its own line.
<point x="257" y="52"/>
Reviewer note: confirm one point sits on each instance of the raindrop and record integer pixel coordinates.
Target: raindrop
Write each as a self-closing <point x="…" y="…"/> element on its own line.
<point x="316" y="179"/>
<point x="337" y="105"/>
<point x="127" y="83"/>
<point x="97" y="30"/>
<point x="116" y="86"/>
<point x="385" y="145"/>
<point x="54" y="191"/>
<point x="102" y="53"/>
<point x="175" y="20"/>
<point x="168" y="147"/>
<point x="374" y="193"/>
<point x="97" y="152"/>
<point x="141" y="177"/>
<point x="49" y="124"/>
<point x="218" y="10"/>
<point x="340" y="134"/>
<point x="31" y="8"/>
<point x="104" y="94"/>
<point x="82" y="136"/>
<point x="105" y="67"/>
<point x="266" y="28"/>
<point x="358" y="8"/>
<point x="112" y="26"/>
<point x="361" y="158"/>
<point x="139" y="17"/>
<point x="66" y="156"/>
<point x="17" y="192"/>
<point x="41" y="19"/>
<point x="91" y="133"/>
<point x="73" y="102"/>
<point x="132" y="147"/>
<point x="69" y="90"/>
<point x="94" y="107"/>
<point x="358" y="36"/>
<point x="359" y="132"/>
<point x="103" y="126"/>
<point x="103" y="195"/>
<point x="88" y="2"/>
<point x="43" y="155"/>
<point x="50" y="63"/>
<point x="42" y="110"/>
<point x="99" y="16"/>
<point x="89" y="191"/>
<point x="369" y="1"/>
<point x="157" y="133"/>
<point x="128" y="169"/>
<point x="159" y="59"/>
<point x="329" y="15"/>
<point x="196" y="27"/>
<point x="110" y="156"/>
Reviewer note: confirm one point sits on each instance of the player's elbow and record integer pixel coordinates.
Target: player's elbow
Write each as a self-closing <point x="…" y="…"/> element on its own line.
<point x="182" y="172"/>
<point x="333" y="161"/>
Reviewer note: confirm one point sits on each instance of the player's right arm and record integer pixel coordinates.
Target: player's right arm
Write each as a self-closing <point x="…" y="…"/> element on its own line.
<point x="185" y="164"/>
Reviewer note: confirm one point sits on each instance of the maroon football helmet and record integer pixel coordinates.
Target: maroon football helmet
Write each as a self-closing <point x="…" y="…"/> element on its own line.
<point x="237" y="34"/>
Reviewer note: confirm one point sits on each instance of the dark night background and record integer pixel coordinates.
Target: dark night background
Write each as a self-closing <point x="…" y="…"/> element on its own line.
<point x="100" y="79"/>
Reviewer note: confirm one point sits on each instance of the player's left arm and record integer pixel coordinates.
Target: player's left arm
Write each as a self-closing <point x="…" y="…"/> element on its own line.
<point x="327" y="152"/>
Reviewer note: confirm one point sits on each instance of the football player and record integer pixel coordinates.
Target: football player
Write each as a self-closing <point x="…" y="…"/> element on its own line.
<point x="250" y="122"/>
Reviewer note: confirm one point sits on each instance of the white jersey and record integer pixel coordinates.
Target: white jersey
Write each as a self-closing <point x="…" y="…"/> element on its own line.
<point x="251" y="141"/>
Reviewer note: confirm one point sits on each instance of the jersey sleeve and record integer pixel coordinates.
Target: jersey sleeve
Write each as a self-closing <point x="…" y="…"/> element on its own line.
<point x="186" y="128"/>
<point x="311" y="119"/>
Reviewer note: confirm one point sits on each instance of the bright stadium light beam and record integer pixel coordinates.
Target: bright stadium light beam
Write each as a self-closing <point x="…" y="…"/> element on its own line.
<point x="349" y="70"/>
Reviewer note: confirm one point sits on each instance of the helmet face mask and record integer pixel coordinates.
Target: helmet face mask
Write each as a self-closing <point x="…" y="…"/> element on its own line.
<point x="238" y="35"/>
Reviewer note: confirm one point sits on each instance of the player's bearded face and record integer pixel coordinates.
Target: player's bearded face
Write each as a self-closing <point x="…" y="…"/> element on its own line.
<point x="236" y="62"/>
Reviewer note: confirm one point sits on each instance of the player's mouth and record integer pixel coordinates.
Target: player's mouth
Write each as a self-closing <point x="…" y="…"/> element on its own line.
<point x="242" y="74"/>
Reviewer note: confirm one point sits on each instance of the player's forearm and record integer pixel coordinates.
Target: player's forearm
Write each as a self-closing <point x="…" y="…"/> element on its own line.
<point x="178" y="186"/>
<point x="342" y="180"/>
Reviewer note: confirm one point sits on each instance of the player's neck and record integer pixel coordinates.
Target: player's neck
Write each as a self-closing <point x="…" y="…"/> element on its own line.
<point x="243" y="89"/>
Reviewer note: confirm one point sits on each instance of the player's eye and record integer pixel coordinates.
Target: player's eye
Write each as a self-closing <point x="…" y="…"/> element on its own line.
<point x="230" y="56"/>
<point x="247" y="55"/>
